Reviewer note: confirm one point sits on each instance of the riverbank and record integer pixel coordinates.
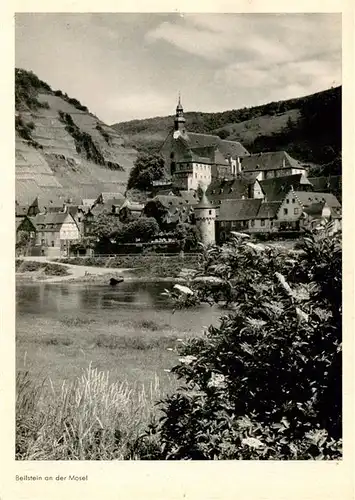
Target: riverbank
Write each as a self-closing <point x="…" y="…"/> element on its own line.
<point x="99" y="270"/>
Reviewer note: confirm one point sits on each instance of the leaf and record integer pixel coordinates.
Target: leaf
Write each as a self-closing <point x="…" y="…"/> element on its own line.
<point x="284" y="283"/>
<point x="302" y="316"/>
<point x="184" y="289"/>
<point x="253" y="443"/>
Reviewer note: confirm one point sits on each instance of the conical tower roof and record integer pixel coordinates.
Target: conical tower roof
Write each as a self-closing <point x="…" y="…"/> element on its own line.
<point x="204" y="202"/>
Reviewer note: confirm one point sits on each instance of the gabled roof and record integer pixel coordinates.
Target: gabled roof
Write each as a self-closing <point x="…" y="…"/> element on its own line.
<point x="276" y="188"/>
<point x="269" y="161"/>
<point x="132" y="206"/>
<point x="107" y="196"/>
<point x="202" y="140"/>
<point x="20" y="220"/>
<point x="232" y="148"/>
<point x="50" y="221"/>
<point x="308" y="199"/>
<point x="206" y="148"/>
<point x="235" y="210"/>
<point x="88" y="202"/>
<point x="268" y="210"/>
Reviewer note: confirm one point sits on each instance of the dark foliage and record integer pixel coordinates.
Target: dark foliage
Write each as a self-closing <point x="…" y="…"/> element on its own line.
<point x="147" y="168"/>
<point x="25" y="129"/>
<point x="104" y="134"/>
<point x="266" y="383"/>
<point x="83" y="141"/>
<point x="27" y="87"/>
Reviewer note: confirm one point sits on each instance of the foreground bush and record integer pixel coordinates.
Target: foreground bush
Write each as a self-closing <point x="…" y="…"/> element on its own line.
<point x="265" y="384"/>
<point x="90" y="419"/>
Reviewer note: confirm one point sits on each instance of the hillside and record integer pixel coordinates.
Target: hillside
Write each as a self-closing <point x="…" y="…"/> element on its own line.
<point x="61" y="148"/>
<point x="309" y="128"/>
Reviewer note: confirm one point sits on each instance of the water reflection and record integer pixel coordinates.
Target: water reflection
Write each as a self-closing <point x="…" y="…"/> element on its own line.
<point x="44" y="297"/>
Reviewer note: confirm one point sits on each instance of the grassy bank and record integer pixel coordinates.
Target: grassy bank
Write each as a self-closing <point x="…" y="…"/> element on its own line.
<point x="45" y="268"/>
<point x="149" y="266"/>
<point x="88" y="419"/>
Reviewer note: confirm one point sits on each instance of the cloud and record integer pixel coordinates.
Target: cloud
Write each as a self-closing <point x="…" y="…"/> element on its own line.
<point x="135" y="105"/>
<point x="255" y="39"/>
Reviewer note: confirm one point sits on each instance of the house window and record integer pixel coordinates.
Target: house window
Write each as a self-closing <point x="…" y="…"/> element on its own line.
<point x="210" y="212"/>
<point x="52" y="243"/>
<point x="222" y="224"/>
<point x="293" y="200"/>
<point x="296" y="211"/>
<point x="287" y="200"/>
<point x="262" y="222"/>
<point x="285" y="211"/>
<point x="252" y="223"/>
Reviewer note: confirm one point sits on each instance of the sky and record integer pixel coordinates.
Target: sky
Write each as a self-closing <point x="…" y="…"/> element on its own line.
<point x="132" y="66"/>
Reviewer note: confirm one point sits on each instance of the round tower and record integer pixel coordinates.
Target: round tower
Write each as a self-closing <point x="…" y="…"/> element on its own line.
<point x="205" y="216"/>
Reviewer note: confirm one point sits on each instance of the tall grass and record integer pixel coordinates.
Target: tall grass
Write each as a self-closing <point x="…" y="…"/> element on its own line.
<point x="88" y="419"/>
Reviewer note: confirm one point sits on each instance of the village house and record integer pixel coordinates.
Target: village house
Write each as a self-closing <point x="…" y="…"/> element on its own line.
<point x="235" y="215"/>
<point x="130" y="211"/>
<point x="170" y="210"/>
<point x="55" y="231"/>
<point x="299" y="207"/>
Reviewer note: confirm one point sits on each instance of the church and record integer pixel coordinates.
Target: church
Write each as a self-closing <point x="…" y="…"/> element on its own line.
<point x="194" y="160"/>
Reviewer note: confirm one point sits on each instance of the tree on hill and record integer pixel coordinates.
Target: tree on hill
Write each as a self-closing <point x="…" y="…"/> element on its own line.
<point x="147" y="168"/>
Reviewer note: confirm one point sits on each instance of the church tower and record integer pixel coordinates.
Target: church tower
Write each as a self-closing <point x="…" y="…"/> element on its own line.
<point x="179" y="121"/>
<point x="205" y="216"/>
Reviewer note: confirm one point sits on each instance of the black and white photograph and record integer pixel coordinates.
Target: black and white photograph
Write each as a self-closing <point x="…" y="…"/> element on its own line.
<point x="178" y="248"/>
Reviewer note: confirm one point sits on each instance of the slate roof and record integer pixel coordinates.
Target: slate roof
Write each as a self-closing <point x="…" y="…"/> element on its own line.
<point x="189" y="196"/>
<point x="107" y="197"/>
<point x="269" y="161"/>
<point x="232" y="148"/>
<point x="205" y="148"/>
<point x="276" y="188"/>
<point x="308" y="199"/>
<point x="133" y="206"/>
<point x="227" y="189"/>
<point x="20" y="220"/>
<point x="268" y="210"/>
<point x="236" y="210"/>
<point x="50" y="221"/>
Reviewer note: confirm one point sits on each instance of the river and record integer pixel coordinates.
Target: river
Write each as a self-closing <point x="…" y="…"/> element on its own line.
<point x="128" y="330"/>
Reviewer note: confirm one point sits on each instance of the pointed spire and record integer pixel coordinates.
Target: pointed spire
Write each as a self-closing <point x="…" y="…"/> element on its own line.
<point x="179" y="106"/>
